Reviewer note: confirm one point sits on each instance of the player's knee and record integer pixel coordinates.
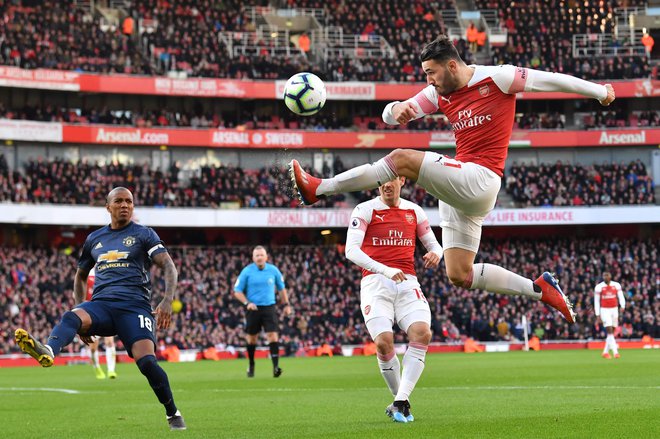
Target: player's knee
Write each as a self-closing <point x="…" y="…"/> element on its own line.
<point x="384" y="347"/>
<point x="398" y="154"/>
<point x="146" y="364"/>
<point x="420" y="334"/>
<point x="384" y="343"/>
<point x="423" y="337"/>
<point x="459" y="277"/>
<point x="72" y="320"/>
<point x="399" y="159"/>
<point x="403" y="162"/>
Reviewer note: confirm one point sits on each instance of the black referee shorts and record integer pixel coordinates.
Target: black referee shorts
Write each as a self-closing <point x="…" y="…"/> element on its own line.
<point x="264" y="317"/>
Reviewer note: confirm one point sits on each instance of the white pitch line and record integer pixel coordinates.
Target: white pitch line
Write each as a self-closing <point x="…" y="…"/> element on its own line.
<point x="334" y="389"/>
<point x="38" y="389"/>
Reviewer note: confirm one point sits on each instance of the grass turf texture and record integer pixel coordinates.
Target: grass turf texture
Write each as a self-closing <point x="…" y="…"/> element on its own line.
<point x="510" y="395"/>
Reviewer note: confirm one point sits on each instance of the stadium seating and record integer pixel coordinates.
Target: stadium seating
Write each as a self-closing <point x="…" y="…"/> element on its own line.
<point x="576" y="185"/>
<point x="164" y="117"/>
<point x="610" y="119"/>
<point x="64" y="182"/>
<point x="540" y="37"/>
<point x="59" y="35"/>
<point x="35" y="285"/>
<point x="205" y="119"/>
<point x="62" y="35"/>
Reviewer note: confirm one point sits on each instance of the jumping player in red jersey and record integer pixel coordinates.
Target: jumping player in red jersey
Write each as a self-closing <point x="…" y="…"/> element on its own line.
<point x="480" y="103"/>
<point x="608" y="297"/>
<point x="381" y="239"/>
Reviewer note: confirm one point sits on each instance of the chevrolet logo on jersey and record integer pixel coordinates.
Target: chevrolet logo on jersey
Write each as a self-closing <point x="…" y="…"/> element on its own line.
<point x="112" y="256"/>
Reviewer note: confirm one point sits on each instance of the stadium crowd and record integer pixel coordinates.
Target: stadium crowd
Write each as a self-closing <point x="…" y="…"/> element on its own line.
<point x="562" y="184"/>
<point x="617" y="118"/>
<point x="65" y="182"/>
<point x="182" y="35"/>
<point x="60" y="35"/>
<point x="36" y="285"/>
<point x="204" y="119"/>
<point x="540" y="37"/>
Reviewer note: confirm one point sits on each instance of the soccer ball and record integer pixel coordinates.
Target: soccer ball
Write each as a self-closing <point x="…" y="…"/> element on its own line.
<point x="304" y="94"/>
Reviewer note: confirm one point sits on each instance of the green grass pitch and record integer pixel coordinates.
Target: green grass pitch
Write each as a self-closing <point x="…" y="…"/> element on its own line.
<point x="553" y="394"/>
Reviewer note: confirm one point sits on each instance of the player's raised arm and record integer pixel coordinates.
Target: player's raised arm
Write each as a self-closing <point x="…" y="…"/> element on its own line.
<point x="423" y="103"/>
<point x="511" y="79"/>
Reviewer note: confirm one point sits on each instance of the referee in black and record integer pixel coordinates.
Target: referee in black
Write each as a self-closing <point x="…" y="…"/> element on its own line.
<point x="255" y="289"/>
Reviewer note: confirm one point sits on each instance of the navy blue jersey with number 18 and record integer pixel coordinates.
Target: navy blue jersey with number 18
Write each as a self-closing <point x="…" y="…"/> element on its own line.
<point x="122" y="258"/>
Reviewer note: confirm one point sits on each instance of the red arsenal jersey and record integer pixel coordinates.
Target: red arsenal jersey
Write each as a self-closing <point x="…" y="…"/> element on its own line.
<point x="390" y="239"/>
<point x="482" y="119"/>
<point x="481" y="113"/>
<point x="390" y="233"/>
<point x="608" y="294"/>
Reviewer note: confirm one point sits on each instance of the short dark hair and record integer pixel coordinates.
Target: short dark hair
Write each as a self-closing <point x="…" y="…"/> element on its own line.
<point x="441" y="49"/>
<point x="114" y="191"/>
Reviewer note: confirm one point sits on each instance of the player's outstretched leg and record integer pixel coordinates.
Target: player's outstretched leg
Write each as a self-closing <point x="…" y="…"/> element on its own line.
<point x="161" y="386"/>
<point x="34" y="348"/>
<point x="552" y="295"/>
<point x="310" y="189"/>
<point x="496" y="279"/>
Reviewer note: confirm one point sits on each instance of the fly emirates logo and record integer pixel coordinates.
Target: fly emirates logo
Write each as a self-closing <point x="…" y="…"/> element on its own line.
<point x="394" y="238"/>
<point x="466" y="120"/>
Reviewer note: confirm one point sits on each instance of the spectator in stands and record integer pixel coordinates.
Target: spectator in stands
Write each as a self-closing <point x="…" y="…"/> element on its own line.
<point x="472" y="36"/>
<point x="304" y="42"/>
<point x="648" y="42"/>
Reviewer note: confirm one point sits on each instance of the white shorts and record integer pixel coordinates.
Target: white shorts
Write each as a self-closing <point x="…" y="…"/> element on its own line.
<point x="384" y="302"/>
<point x="610" y="317"/>
<point x="466" y="193"/>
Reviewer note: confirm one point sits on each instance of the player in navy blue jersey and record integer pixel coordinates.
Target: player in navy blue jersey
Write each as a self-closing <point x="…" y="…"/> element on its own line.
<point x="255" y="289"/>
<point x="121" y="301"/>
